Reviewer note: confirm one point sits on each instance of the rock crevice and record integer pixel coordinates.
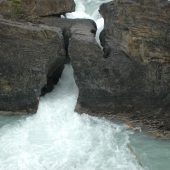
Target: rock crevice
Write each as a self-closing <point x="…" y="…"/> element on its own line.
<point x="33" y="54"/>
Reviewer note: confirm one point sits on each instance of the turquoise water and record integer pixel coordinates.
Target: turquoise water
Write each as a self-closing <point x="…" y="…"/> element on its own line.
<point x="153" y="153"/>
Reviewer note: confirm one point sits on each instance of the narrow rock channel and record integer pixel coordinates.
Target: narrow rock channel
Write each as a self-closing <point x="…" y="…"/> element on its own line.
<point x="57" y="137"/>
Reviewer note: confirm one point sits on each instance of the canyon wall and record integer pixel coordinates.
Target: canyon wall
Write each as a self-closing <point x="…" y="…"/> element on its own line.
<point x="34" y="42"/>
<point x="132" y="77"/>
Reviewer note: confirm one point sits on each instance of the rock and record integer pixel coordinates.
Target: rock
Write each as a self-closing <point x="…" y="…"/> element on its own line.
<point x="84" y="52"/>
<point x="33" y="55"/>
<point x="30" y="57"/>
<point x="87" y="61"/>
<point x="35" y="8"/>
<point x="86" y="58"/>
<point x="141" y="31"/>
<point x="136" y="41"/>
<point x="67" y="25"/>
<point x="133" y="75"/>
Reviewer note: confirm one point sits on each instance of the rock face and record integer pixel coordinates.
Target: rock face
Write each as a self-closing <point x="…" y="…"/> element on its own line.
<point x="29" y="55"/>
<point x="86" y="58"/>
<point x="141" y="31"/>
<point x="35" y="8"/>
<point x="133" y="75"/>
<point x="32" y="57"/>
<point x="129" y="77"/>
<point x="33" y="54"/>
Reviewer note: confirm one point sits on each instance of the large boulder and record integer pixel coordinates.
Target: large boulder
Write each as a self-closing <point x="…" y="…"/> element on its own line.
<point x="133" y="75"/>
<point x="141" y="30"/>
<point x="87" y="60"/>
<point x="141" y="33"/>
<point x="32" y="57"/>
<point x="35" y="8"/>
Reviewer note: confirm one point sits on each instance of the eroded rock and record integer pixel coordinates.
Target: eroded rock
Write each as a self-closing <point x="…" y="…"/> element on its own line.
<point x="140" y="29"/>
<point x="133" y="75"/>
<point x="29" y="56"/>
<point x="141" y="32"/>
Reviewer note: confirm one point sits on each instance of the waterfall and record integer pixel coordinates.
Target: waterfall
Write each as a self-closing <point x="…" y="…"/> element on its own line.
<point x="57" y="138"/>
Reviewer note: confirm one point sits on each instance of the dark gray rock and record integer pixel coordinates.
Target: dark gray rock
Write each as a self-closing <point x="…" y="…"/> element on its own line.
<point x="133" y="74"/>
<point x="140" y="32"/>
<point x="30" y="56"/>
<point x="35" y="8"/>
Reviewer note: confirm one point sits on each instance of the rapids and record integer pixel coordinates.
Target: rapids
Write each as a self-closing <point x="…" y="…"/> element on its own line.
<point x="57" y="138"/>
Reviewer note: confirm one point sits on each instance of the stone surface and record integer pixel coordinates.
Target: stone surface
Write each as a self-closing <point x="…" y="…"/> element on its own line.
<point x="30" y="56"/>
<point x="141" y="31"/>
<point x="136" y="37"/>
<point x="84" y="52"/>
<point x="87" y="59"/>
<point x="35" y="8"/>
<point x="129" y="78"/>
<point x="133" y="75"/>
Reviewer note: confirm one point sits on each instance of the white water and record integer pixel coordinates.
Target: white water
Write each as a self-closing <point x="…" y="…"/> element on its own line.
<point x="88" y="9"/>
<point x="57" y="138"/>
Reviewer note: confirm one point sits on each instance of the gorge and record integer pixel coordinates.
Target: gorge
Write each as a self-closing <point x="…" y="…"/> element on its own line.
<point x="57" y="136"/>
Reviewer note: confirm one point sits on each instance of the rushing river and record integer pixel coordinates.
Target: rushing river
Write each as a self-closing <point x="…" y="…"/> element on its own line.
<point x="57" y="138"/>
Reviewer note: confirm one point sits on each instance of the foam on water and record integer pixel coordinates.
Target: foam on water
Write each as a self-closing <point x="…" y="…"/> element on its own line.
<point x="57" y="138"/>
